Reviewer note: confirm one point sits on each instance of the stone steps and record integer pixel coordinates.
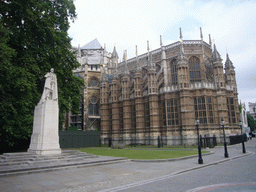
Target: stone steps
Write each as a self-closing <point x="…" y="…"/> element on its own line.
<point x="23" y="163"/>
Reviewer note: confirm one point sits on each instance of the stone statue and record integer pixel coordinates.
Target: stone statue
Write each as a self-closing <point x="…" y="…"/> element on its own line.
<point x="45" y="136"/>
<point x="50" y="87"/>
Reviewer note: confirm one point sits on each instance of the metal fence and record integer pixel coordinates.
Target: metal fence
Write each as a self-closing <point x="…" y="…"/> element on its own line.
<point x="162" y="141"/>
<point x="237" y="139"/>
<point x="78" y="139"/>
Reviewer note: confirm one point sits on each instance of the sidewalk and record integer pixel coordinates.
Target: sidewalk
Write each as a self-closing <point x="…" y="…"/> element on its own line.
<point x="103" y="177"/>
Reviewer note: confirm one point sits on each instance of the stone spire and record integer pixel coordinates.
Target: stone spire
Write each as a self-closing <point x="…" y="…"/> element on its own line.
<point x="210" y="40"/>
<point x="181" y="36"/>
<point x="201" y="34"/>
<point x="150" y="60"/>
<point x="79" y="51"/>
<point x="216" y="55"/>
<point x="114" y="57"/>
<point x="138" y="67"/>
<point x="114" y="54"/>
<point x="161" y="43"/>
<point x="79" y="59"/>
<point x="126" y="70"/>
<point x="148" y="52"/>
<point x="228" y="63"/>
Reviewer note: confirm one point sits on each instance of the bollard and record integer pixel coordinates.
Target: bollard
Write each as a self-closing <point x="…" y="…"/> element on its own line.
<point x="109" y="142"/>
<point x="158" y="141"/>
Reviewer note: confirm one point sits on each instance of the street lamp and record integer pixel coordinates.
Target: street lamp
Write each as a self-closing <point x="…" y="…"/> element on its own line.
<point x="200" y="160"/>
<point x="240" y="123"/>
<point x="225" y="143"/>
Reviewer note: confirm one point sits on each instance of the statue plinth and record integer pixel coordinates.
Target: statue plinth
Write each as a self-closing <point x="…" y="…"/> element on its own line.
<point x="45" y="136"/>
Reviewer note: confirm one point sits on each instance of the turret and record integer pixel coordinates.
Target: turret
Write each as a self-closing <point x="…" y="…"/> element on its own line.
<point x="79" y="54"/>
<point x="182" y="67"/>
<point x="152" y="84"/>
<point x="104" y="81"/>
<point x="218" y="69"/>
<point x="163" y="62"/>
<point x="230" y="73"/>
<point x="138" y="78"/>
<point x="125" y="79"/>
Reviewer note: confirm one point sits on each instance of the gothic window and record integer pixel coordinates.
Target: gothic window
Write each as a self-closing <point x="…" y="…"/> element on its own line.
<point x="163" y="113"/>
<point x="93" y="82"/>
<point x="133" y="117"/>
<point x="194" y="69"/>
<point x="121" y="123"/>
<point x="147" y="115"/>
<point x="93" y="107"/>
<point x="209" y="71"/>
<point x="174" y="71"/>
<point x="158" y="67"/>
<point x="209" y="109"/>
<point x="172" y="112"/>
<point x="203" y="109"/>
<point x="231" y="110"/>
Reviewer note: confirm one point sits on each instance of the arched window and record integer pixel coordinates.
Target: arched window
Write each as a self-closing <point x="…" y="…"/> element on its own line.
<point x="194" y="69"/>
<point x="173" y="65"/>
<point x="93" y="107"/>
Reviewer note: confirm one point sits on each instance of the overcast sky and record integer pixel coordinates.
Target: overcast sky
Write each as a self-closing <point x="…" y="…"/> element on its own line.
<point x="126" y="23"/>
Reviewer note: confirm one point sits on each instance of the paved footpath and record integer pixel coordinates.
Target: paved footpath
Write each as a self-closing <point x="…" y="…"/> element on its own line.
<point x="110" y="176"/>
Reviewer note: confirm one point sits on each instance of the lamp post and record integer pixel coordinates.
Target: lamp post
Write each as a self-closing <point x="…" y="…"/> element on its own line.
<point x="243" y="147"/>
<point x="225" y="143"/>
<point x="200" y="160"/>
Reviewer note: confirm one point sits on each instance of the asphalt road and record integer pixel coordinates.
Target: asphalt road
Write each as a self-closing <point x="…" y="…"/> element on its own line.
<point x="234" y="175"/>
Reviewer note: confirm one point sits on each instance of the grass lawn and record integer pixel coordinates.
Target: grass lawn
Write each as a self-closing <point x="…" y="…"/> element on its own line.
<point x="140" y="154"/>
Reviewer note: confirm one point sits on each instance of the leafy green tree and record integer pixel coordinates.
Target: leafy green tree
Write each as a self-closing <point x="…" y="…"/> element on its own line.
<point x="33" y="40"/>
<point x="251" y="122"/>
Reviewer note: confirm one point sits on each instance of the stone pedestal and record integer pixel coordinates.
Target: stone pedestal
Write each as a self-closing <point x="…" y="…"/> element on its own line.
<point x="45" y="137"/>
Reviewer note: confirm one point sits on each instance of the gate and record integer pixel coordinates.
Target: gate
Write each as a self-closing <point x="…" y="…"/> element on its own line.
<point x="79" y="139"/>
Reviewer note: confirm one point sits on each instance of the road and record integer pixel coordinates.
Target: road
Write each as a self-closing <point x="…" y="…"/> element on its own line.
<point x="239" y="174"/>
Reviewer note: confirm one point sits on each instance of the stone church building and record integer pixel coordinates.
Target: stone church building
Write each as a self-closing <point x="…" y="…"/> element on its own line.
<point x="159" y="93"/>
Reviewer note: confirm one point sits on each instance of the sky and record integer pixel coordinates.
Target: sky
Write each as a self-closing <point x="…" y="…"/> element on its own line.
<point x="127" y="23"/>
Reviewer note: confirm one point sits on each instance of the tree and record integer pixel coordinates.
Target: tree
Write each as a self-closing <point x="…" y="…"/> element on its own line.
<point x="251" y="122"/>
<point x="34" y="39"/>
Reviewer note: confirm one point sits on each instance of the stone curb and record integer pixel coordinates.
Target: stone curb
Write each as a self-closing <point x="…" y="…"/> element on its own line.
<point x="165" y="160"/>
<point x="213" y="163"/>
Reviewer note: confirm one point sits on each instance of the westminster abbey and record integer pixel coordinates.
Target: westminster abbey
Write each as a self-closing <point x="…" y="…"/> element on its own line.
<point x="159" y="93"/>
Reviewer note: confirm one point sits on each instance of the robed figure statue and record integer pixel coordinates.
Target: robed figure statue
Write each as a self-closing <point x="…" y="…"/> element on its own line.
<point x="50" y="87"/>
<point x="45" y="136"/>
